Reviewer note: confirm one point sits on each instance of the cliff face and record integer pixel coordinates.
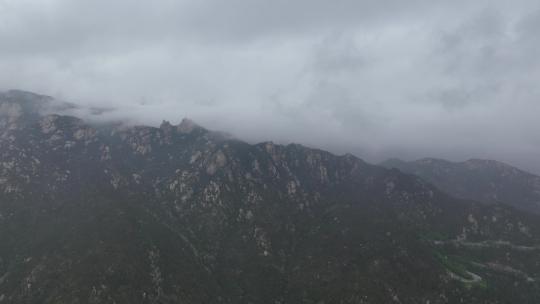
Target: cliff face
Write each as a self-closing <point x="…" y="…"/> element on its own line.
<point x="180" y="214"/>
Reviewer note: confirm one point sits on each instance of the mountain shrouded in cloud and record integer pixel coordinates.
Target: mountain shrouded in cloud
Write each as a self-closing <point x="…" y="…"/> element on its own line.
<point x="452" y="79"/>
<point x="109" y="213"/>
<point x="115" y="189"/>
<point x="485" y="181"/>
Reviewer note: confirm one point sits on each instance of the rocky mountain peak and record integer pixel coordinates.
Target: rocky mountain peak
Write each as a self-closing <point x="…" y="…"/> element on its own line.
<point x="16" y="104"/>
<point x="165" y="125"/>
<point x="187" y="126"/>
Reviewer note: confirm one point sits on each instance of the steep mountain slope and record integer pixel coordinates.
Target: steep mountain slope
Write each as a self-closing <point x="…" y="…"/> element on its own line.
<point x="180" y="214"/>
<point x="481" y="180"/>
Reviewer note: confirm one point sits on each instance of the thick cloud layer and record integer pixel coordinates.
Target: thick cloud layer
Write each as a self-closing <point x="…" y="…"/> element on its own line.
<point x="453" y="79"/>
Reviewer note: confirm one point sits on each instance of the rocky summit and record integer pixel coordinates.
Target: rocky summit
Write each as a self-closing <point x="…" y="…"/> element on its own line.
<point x="111" y="213"/>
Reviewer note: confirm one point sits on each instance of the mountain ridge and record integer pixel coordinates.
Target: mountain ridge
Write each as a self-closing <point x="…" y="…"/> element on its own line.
<point x="478" y="179"/>
<point x="138" y="214"/>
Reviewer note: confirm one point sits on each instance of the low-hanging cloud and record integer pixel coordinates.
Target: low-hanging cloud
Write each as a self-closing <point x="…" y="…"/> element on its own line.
<point x="453" y="79"/>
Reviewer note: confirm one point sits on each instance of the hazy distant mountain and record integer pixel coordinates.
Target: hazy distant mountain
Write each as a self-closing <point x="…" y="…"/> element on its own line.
<point x="482" y="180"/>
<point x="180" y="214"/>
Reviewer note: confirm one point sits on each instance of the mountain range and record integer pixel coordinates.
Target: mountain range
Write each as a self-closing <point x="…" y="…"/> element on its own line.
<point x="486" y="181"/>
<point x="112" y="213"/>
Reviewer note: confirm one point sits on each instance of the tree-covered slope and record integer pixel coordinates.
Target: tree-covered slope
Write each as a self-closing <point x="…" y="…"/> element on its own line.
<point x="180" y="214"/>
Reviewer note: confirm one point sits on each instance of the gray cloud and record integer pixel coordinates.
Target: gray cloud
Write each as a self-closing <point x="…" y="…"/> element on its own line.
<point x="455" y="79"/>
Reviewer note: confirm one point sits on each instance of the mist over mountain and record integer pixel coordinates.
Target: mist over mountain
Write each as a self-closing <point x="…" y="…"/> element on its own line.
<point x="269" y="151"/>
<point x="380" y="79"/>
<point x="476" y="179"/>
<point x="110" y="213"/>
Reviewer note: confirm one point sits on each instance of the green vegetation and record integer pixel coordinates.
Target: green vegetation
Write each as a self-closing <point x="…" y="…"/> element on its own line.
<point x="458" y="265"/>
<point x="453" y="265"/>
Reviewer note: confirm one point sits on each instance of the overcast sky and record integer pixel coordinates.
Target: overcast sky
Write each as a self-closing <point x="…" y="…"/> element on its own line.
<point x="455" y="79"/>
